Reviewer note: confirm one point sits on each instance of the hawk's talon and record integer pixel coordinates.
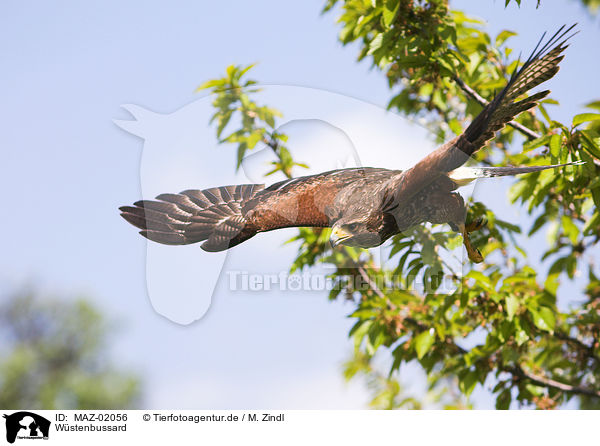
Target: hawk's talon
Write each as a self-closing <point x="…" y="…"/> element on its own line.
<point x="476" y="225"/>
<point x="473" y="253"/>
<point x="475" y="256"/>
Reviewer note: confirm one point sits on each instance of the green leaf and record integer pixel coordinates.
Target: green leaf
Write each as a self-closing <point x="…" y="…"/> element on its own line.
<point x="223" y="121"/>
<point x="254" y="138"/>
<point x="503" y="400"/>
<point x="512" y="305"/>
<point x="596" y="196"/>
<point x="231" y="71"/>
<point x="530" y="145"/>
<point x="552" y="233"/>
<point x="543" y="318"/>
<point x="535" y="390"/>
<point x="270" y="120"/>
<point x="585" y="117"/>
<point x="521" y="336"/>
<point x="468" y="382"/>
<point x="552" y="282"/>
<point x="479" y="277"/>
<point x="245" y="70"/>
<point x="593" y="104"/>
<point x="285" y="156"/>
<point x="545" y="114"/>
<point x="390" y="10"/>
<point x="501" y="38"/>
<point x="359" y="331"/>
<point x="211" y="84"/>
<point x="455" y="126"/>
<point x="555" y="145"/>
<point x="423" y="342"/>
<point x="590" y="143"/>
<point x="593" y="223"/>
<point x="454" y="242"/>
<point x="570" y="229"/>
<point x="375" y="43"/>
<point x="240" y="153"/>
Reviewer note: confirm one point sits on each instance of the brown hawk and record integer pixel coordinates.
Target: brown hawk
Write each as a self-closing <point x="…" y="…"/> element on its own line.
<point x="364" y="206"/>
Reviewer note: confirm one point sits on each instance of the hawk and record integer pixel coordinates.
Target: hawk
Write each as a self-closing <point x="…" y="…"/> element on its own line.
<point x="364" y="206"/>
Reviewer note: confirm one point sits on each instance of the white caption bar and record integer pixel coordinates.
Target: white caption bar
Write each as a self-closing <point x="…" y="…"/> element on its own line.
<point x="249" y="427"/>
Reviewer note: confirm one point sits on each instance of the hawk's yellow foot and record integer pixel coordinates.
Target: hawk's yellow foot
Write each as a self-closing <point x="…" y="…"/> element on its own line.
<point x="476" y="225"/>
<point x="473" y="253"/>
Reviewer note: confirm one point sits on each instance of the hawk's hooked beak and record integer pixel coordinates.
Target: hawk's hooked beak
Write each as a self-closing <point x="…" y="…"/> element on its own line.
<point x="338" y="235"/>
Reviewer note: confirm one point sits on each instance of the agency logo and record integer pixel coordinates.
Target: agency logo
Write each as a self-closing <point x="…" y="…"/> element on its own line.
<point x="26" y="425"/>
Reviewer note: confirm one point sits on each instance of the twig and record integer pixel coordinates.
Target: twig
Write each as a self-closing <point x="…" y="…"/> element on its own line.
<point x="272" y="143"/>
<point x="482" y="101"/>
<point x="363" y="273"/>
<point x="547" y="382"/>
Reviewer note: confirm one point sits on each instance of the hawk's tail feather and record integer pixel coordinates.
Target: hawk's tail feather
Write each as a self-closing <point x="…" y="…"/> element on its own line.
<point x="464" y="175"/>
<point x="214" y="216"/>
<point x="541" y="65"/>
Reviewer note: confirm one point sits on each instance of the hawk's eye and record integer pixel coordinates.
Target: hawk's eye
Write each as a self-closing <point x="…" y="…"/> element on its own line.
<point x="352" y="226"/>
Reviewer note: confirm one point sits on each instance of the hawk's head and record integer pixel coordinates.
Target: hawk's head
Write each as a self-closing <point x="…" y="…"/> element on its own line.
<point x="361" y="230"/>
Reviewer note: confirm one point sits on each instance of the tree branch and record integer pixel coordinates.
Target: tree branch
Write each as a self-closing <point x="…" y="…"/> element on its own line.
<point x="547" y="382"/>
<point x="481" y="100"/>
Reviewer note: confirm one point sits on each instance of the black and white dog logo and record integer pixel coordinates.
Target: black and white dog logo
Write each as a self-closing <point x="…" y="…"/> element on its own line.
<point x="26" y="425"/>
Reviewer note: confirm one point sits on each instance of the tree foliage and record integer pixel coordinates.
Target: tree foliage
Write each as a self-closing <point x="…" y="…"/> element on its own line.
<point x="53" y="356"/>
<point x="510" y="323"/>
<point x="592" y="5"/>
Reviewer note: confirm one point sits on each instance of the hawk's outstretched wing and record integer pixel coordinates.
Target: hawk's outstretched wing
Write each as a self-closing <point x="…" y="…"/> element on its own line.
<point x="225" y="216"/>
<point x="541" y="66"/>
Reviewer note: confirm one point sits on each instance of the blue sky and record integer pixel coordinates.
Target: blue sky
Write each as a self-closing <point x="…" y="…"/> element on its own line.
<point x="69" y="68"/>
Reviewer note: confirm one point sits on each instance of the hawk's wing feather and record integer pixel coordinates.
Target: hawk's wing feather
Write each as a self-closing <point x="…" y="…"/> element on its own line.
<point x="213" y="215"/>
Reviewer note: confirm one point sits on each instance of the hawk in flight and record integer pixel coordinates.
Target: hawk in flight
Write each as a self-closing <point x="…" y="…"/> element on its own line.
<point x="364" y="206"/>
